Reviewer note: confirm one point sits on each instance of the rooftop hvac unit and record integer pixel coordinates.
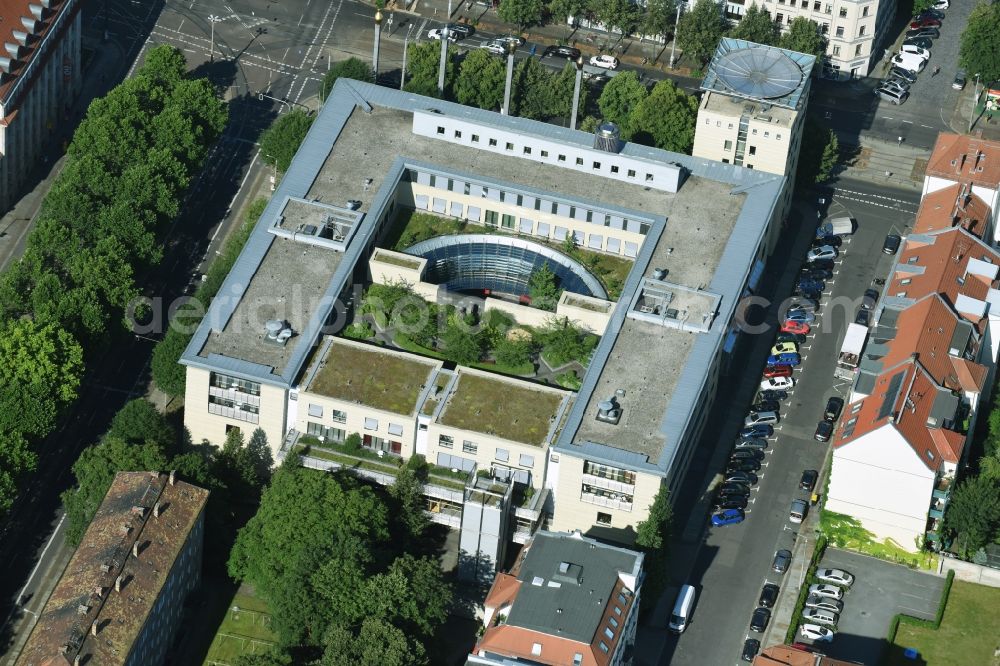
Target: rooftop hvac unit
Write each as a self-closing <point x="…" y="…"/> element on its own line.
<point x="608" y="137"/>
<point x="278" y="331"/>
<point x="608" y="411"/>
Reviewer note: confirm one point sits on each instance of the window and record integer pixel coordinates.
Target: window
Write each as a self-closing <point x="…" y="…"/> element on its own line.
<point x="507" y="221"/>
<point x="493" y="142"/>
<point x="446" y="441"/>
<point x="767" y="135"/>
<point x="579" y="161"/>
<point x="913" y="259"/>
<point x="597" y="165"/>
<point x="617" y="610"/>
<point x="527" y="150"/>
<point x="862" y="30"/>
<point x="828" y="9"/>
<point x="536" y="649"/>
<point x="905" y="281"/>
<point x="458" y="134"/>
<point x="843" y="12"/>
<point x="475" y="138"/>
<point x="817" y="6"/>
<point x="395" y="429"/>
<point x="469" y="447"/>
<point x="840" y="31"/>
<point x="836" y="50"/>
<point x="825" y="29"/>
<point x="864" y="11"/>
<point x="631" y="173"/>
<point x="577" y="659"/>
<point x="545" y="153"/>
<point x="562" y="158"/>
<point x="520" y="199"/>
<point x="509" y="146"/>
<point x="371" y="424"/>
<point x="649" y="178"/>
<point x="338" y="416"/>
<point x="725" y="160"/>
<point x="778" y="137"/>
<point x="613" y="622"/>
<point x="857" y="49"/>
<point x="610" y="634"/>
<point x="440" y="130"/>
<point x="614" y="168"/>
<point x="328" y="434"/>
<point x="603" y="518"/>
<point x="227" y="383"/>
<point x="526" y="461"/>
<point x="491" y="218"/>
<point x="930" y="456"/>
<point x="315" y="410"/>
<point x="779" y="17"/>
<point x="503" y="455"/>
<point x="754" y="132"/>
<point x="753" y="150"/>
<point x="728" y="145"/>
<point x="602" y="645"/>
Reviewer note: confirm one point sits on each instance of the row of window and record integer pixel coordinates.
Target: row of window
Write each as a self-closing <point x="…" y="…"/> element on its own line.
<point x="328" y="434"/>
<point x="614" y="496"/>
<point x="233" y="409"/>
<point x="608" y="472"/>
<point x="503" y="455"/>
<point x="826" y="8"/>
<point x="767" y="133"/>
<point x="226" y="382"/>
<point x="339" y="416"/>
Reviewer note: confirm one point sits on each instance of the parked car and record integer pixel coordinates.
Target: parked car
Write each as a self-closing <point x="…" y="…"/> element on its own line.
<point x="748" y="478"/>
<point x="495" y="47"/>
<point x="959" y="81"/>
<point x="803" y="302"/>
<point x="800" y="315"/>
<point x="813" y="296"/>
<point x="766" y="406"/>
<point x="822" y="252"/>
<point x="782" y="347"/>
<point x="744" y="465"/>
<point x="731" y="487"/>
<point x="751" y="647"/>
<point x="747" y="454"/>
<point x="835" y="576"/>
<point x="829" y="591"/>
<point x="811" y="272"/>
<point x="750" y="443"/>
<point x="817" y="616"/>
<point x="896" y="77"/>
<point x="824" y="603"/>
<point x="768" y="595"/>
<point x="895" y="85"/>
<point x="568" y="52"/>
<point x="782" y="559"/>
<point x="754" y="418"/>
<point x="777" y="383"/>
<point x="605" y="61"/>
<point x="463" y="30"/>
<point x="914" y="63"/>
<point x="772" y="394"/>
<point x="730" y="502"/>
<point x="797" y="327"/>
<point x="808" y="480"/>
<point x="891" y="243"/>
<point x="892" y="95"/>
<point x="833" y="407"/>
<point x="438" y="33"/>
<point x="798" y="511"/>
<point x="925" y="22"/>
<point x="870" y="299"/>
<point x="794" y="338"/>
<point x="758" y="430"/>
<point x="832" y="240"/>
<point x="815" y="632"/>
<point x="510" y="39"/>
<point x="915" y="50"/>
<point x="941" y="4"/>
<point x="863" y="317"/>
<point x="773" y="371"/>
<point x="930" y="33"/>
<point x="810" y="285"/>
<point x="759" y="619"/>
<point x="728" y="517"/>
<point x="791" y="359"/>
<point x="922" y="42"/>
<point x="930" y="13"/>
<point x="824" y="430"/>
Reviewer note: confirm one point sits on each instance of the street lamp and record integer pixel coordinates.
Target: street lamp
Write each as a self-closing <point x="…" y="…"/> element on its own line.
<point x="213" y="19"/>
<point x="673" y="42"/>
<point x="576" y="92"/>
<point x="378" y="38"/>
<point x="975" y="99"/>
<point x="406" y="43"/>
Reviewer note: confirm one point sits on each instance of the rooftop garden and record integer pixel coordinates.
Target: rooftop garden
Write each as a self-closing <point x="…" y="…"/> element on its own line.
<point x="497" y="407"/>
<point x="373" y="378"/>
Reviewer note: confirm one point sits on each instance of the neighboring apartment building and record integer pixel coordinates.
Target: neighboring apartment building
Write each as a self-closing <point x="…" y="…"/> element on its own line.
<point x="753" y="108"/>
<point x="784" y="655"/>
<point x="567" y="600"/>
<point x="40" y="77"/>
<point x="696" y="231"/>
<point x="121" y="597"/>
<point x="856" y="30"/>
<point x="964" y="171"/>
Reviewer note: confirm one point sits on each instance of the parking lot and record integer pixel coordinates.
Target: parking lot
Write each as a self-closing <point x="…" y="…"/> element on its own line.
<point x="880" y="591"/>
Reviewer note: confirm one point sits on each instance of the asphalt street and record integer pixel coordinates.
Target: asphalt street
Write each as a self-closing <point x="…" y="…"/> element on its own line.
<point x="734" y="562"/>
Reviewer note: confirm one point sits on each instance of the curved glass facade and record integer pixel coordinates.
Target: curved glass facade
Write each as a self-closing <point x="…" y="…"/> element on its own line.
<point x="472" y="262"/>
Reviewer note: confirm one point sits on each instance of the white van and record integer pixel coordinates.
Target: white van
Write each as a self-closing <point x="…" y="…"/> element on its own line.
<point x="682" y="609"/>
<point x="909" y="62"/>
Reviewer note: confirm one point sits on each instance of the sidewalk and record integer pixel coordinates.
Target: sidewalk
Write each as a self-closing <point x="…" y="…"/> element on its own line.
<point x="885" y="162"/>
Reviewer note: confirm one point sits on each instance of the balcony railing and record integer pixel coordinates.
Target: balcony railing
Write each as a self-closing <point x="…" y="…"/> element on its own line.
<point x="609" y="484"/>
<point x="606" y="502"/>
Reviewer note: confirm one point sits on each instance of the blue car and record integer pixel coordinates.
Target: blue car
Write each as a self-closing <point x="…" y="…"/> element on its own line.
<point x="788" y="358"/>
<point x="810" y="285"/>
<point x="728" y="517"/>
<point x="759" y="430"/>
<point x="799" y="315"/>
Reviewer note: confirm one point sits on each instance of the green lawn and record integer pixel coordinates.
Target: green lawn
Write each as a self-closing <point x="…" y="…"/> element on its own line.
<point x="246" y="631"/>
<point x="969" y="632"/>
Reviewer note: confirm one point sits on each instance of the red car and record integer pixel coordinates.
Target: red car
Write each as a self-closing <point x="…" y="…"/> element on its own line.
<point x="926" y="22"/>
<point x="795" y="327"/>
<point x="778" y="371"/>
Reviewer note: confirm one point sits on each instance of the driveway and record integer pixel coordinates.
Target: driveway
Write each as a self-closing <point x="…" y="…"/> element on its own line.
<point x="880" y="591"/>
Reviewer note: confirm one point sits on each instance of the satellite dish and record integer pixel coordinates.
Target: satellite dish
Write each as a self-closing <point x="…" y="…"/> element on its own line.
<point x="758" y="72"/>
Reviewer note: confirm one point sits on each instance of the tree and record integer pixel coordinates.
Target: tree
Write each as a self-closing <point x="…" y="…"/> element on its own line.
<point x="531" y="90"/>
<point x="561" y="98"/>
<point x="543" y="288"/>
<point x="282" y="139"/>
<point x="512" y="353"/>
<point x="139" y="422"/>
<point x="260" y="455"/>
<point x="460" y="345"/>
<point x="666" y="118"/>
<point x="819" y="154"/>
<point x="377" y="643"/>
<point x="422" y="69"/>
<point x="659" y="18"/>
<point x="975" y="53"/>
<point x="481" y="80"/>
<point x="700" y="30"/>
<point x="243" y="470"/>
<point x="757" y="26"/>
<point x="620" y="97"/>
<point x="352" y="68"/>
<point x="804" y="36"/>
<point x="408" y="493"/>
<point x="521" y="13"/>
<point x="412" y="595"/>
<point x="562" y="342"/>
<point x="16" y="460"/>
<point x="169" y="375"/>
<point x="973" y="514"/>
<point x="562" y="10"/>
<point x="652" y="536"/>
<point x="95" y="469"/>
<point x="620" y="15"/>
<point x="40" y="370"/>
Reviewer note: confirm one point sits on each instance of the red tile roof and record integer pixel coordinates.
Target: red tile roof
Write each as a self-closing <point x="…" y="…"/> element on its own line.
<point x="11" y="14"/>
<point x="965" y="158"/>
<point x="925" y="328"/>
<point x="952" y="206"/>
<point x="783" y="655"/>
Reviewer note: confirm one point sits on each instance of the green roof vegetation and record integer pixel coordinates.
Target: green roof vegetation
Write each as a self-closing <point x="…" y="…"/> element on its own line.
<point x="373" y="378"/>
<point x="405" y="262"/>
<point x="502" y="409"/>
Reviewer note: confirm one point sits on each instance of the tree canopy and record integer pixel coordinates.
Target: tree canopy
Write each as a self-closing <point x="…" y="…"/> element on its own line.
<point x="480" y="81"/>
<point x="422" y="66"/>
<point x="620" y="97"/>
<point x="521" y="13"/>
<point x="804" y="36"/>
<point x="700" y="30"/>
<point x="543" y="288"/>
<point x="819" y="155"/>
<point x="352" y="68"/>
<point x="973" y="514"/>
<point x="666" y="118"/>
<point x="281" y="141"/>
<point x="757" y="26"/>
<point x="978" y="52"/>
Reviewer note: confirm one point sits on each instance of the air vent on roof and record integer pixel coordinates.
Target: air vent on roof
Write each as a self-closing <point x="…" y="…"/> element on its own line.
<point x="563" y="567"/>
<point x="5" y="64"/>
<point x="36" y="10"/>
<point x="659" y="273"/>
<point x="20" y="35"/>
<point x="30" y="23"/>
<point x="278" y="331"/>
<point x="13" y="49"/>
<point x="608" y="411"/>
<point x="537" y="581"/>
<point x="607" y="137"/>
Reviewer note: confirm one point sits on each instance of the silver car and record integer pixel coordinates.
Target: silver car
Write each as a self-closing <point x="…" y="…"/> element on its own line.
<point x="892" y="95"/>
<point x="824" y="603"/>
<point x="820" y="616"/>
<point x="751" y="443"/>
<point x="828" y="591"/>
<point x="835" y="576"/>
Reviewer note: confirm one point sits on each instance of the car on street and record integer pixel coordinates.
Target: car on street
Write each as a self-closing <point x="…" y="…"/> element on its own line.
<point x="730" y="502"/>
<point x="815" y="632"/>
<point x="925" y="22"/>
<point x="891" y="243"/>
<point x="833" y="408"/>
<point x="766" y="406"/>
<point x="463" y="30"/>
<point x="784" y="359"/>
<point x="730" y="487"/>
<point x="747" y="454"/>
<point x="915" y="50"/>
<point x="758" y="430"/>
<point x="797" y="327"/>
<point x="863" y="317"/>
<point x="495" y="47"/>
<point x="751" y="647"/>
<point x="810" y="285"/>
<point x="510" y="39"/>
<point x="753" y="418"/>
<point x="794" y="338"/>
<point x="822" y="252"/>
<point x="817" y="616"/>
<point x="438" y="33"/>
<point x="759" y="619"/>
<point x="568" y="52"/>
<point x="773" y="371"/>
<point x="811" y="272"/>
<point x="895" y="85"/>
<point x="728" y="517"/>
<point x="959" y="81"/>
<point x="929" y="13"/>
<point x="922" y="42"/>
<point x="782" y="559"/>
<point x="896" y="77"/>
<point x="835" y="576"/>
<point x="941" y="4"/>
<point x="824" y="603"/>
<point x="909" y="61"/>
<point x="744" y="465"/>
<point x="870" y="299"/>
<point x="747" y="478"/>
<point x="930" y="33"/>
<point x="800" y="315"/>
<point x="768" y="595"/>
<point x="777" y="384"/>
<point x="772" y="394"/>
<point x="891" y="94"/>
<point x="831" y="239"/>
<point x="784" y="347"/>
<point x="824" y="430"/>
<point x="830" y="591"/>
<point x="798" y="511"/>
<point x="808" y="480"/>
<point x="605" y="61"/>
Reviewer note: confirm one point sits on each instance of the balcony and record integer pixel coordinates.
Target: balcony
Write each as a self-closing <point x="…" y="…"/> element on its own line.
<point x="529" y="503"/>
<point x="607" y="502"/>
<point x="609" y="484"/>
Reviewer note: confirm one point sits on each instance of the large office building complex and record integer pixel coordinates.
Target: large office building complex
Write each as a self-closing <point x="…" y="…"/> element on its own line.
<point x="39" y="77"/>
<point x="120" y="599"/>
<point x="694" y="234"/>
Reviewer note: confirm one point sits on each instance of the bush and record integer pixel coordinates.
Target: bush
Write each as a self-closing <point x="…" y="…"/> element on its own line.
<point x="809" y="579"/>
<point x="352" y="68"/>
<point x="282" y="139"/>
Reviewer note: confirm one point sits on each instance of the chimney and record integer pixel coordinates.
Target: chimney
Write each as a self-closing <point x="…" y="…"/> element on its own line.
<point x="99" y="591"/>
<point x="139" y="511"/>
<point x="105" y="567"/>
<point x="135" y="548"/>
<point x="156" y="510"/>
<point x="172" y="473"/>
<point x="93" y="628"/>
<point x="76" y="661"/>
<point x="118" y="583"/>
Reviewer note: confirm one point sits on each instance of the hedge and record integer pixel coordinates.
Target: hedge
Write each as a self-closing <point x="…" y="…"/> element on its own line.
<point x="800" y="603"/>
<point x="901" y="618"/>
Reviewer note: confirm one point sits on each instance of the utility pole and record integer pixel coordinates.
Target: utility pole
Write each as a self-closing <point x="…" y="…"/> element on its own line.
<point x="511" y="47"/>
<point x="213" y="19"/>
<point x="445" y="37"/>
<point x="406" y="43"/>
<point x="576" y="92"/>
<point x="378" y="38"/>
<point x="673" y="42"/>
<point x="975" y="100"/>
